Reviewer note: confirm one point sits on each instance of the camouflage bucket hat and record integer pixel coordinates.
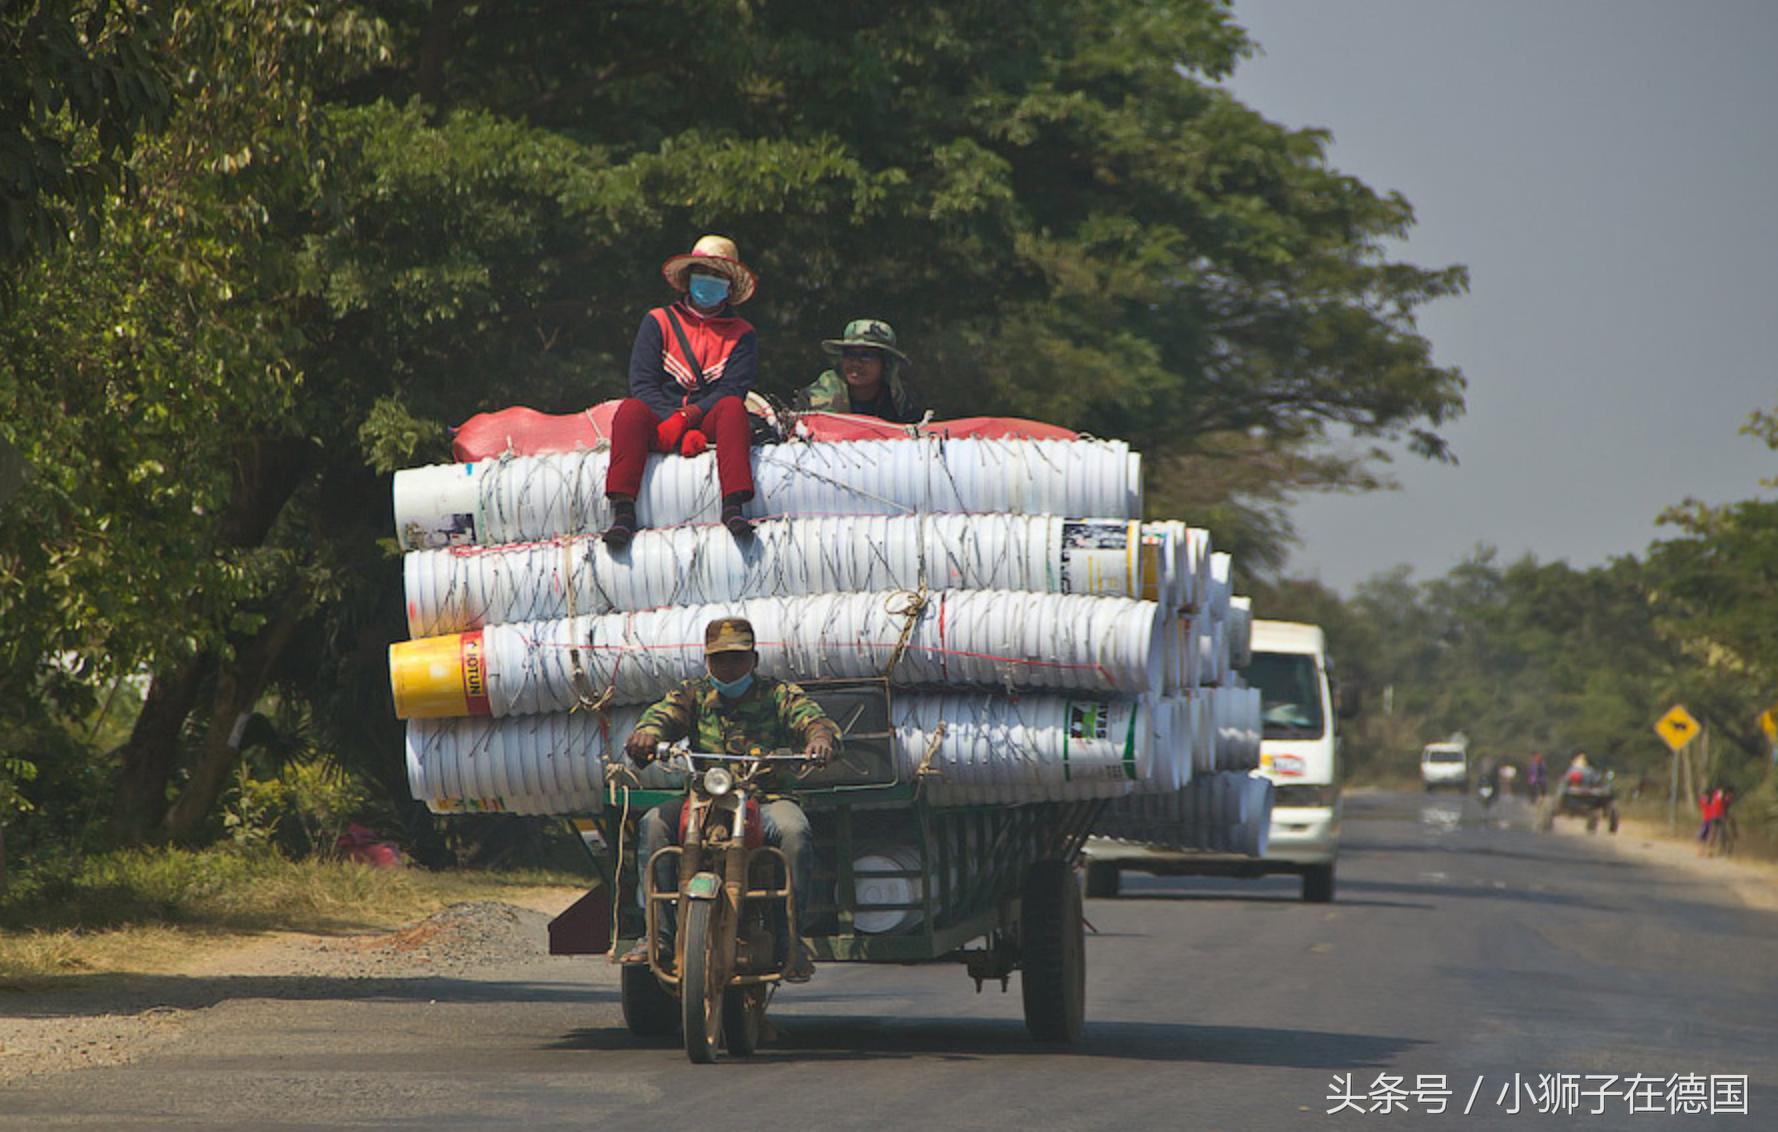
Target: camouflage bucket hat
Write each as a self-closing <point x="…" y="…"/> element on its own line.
<point x="728" y="634"/>
<point x="871" y="332"/>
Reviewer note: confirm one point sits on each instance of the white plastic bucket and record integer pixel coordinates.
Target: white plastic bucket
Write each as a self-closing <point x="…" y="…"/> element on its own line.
<point x="530" y="498"/>
<point x="469" y="587"/>
<point x="994" y="638"/>
<point x="437" y="506"/>
<point x="874" y="890"/>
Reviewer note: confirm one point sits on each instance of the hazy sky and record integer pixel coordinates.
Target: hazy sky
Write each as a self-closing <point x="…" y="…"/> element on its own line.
<point x="1609" y="173"/>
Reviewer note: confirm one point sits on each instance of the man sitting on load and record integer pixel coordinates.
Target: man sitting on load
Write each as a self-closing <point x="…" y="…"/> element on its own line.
<point x="868" y="379"/>
<point x="734" y="710"/>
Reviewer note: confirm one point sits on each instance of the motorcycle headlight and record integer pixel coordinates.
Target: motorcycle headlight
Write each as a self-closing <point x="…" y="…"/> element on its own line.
<point x="718" y="782"/>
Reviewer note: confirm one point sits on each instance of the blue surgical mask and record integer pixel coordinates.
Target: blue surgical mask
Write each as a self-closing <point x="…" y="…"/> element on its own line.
<point x="707" y="291"/>
<point x="733" y="689"/>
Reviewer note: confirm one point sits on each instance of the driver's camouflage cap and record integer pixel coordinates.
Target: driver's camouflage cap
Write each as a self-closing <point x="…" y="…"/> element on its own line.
<point x="728" y="634"/>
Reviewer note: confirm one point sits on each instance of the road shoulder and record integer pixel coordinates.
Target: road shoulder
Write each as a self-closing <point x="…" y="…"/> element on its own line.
<point x="106" y="1019"/>
<point x="1754" y="883"/>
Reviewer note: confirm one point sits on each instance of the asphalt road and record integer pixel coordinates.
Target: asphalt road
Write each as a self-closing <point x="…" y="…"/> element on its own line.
<point x="1461" y="944"/>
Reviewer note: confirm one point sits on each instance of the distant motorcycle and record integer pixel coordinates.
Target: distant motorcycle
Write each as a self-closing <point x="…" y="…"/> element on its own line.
<point x="1584" y="793"/>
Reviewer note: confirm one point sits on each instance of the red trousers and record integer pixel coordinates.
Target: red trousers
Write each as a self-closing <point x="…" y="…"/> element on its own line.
<point x="633" y="438"/>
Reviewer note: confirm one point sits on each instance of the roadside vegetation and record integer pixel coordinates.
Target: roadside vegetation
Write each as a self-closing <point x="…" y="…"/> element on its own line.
<point x="264" y="252"/>
<point x="1531" y="656"/>
<point x="151" y="908"/>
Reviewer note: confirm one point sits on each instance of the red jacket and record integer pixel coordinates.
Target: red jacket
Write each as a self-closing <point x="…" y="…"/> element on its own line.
<point x="726" y="361"/>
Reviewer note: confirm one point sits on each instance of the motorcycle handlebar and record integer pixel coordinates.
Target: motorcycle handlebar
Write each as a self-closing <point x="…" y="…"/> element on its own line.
<point x="666" y="750"/>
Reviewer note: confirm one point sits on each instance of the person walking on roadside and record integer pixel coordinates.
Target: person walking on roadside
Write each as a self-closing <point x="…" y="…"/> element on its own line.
<point x="868" y="379"/>
<point x="1725" y="821"/>
<point x="1710" y="810"/>
<point x="691" y="367"/>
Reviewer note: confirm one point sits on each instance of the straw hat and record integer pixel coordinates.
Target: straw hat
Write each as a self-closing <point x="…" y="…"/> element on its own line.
<point x="718" y="254"/>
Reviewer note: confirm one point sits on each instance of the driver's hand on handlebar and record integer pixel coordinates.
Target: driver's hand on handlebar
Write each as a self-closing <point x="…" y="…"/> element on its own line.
<point x="639" y="747"/>
<point x="821" y="749"/>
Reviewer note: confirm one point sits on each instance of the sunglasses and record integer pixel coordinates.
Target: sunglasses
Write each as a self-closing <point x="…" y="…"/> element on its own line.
<point x="860" y="353"/>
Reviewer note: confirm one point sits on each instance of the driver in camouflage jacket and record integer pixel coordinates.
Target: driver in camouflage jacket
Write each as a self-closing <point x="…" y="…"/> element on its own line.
<point x="732" y="709"/>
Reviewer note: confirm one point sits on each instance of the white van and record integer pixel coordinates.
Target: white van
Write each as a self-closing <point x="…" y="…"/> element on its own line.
<point x="1299" y="752"/>
<point x="1445" y="765"/>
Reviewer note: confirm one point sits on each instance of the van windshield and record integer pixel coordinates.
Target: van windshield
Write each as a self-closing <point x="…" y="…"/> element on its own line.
<point x="1290" y="694"/>
<point x="1444" y="756"/>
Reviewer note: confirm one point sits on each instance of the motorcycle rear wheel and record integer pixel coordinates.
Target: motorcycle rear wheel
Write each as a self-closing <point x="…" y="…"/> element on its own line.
<point x="743" y="1019"/>
<point x="649" y="1011"/>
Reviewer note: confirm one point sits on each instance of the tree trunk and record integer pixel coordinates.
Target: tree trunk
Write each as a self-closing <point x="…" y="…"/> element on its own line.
<point x="148" y="756"/>
<point x="268" y="470"/>
<point x="238" y="688"/>
<point x="435" y="45"/>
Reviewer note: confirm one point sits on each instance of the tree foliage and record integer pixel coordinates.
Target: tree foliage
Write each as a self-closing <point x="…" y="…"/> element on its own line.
<point x="364" y="222"/>
<point x="1529" y="656"/>
<point x="79" y="79"/>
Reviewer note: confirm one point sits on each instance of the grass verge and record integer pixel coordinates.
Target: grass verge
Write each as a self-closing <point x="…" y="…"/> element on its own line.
<point x="148" y="909"/>
<point x="1755" y="839"/>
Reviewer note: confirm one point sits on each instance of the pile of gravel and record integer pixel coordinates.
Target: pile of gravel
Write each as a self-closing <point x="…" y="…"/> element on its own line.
<point x="481" y="933"/>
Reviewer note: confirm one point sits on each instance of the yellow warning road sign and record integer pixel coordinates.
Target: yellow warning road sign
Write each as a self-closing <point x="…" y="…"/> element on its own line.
<point x="1677" y="727"/>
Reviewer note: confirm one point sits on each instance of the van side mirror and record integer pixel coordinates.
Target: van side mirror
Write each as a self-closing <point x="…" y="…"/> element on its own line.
<point x="1346" y="700"/>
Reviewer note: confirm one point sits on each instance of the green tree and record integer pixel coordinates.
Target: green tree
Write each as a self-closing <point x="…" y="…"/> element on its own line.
<point x="156" y="375"/>
<point x="79" y="80"/>
<point x="366" y="222"/>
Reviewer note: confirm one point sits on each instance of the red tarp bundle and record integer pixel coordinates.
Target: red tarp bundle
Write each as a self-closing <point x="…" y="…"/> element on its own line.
<point x="364" y="846"/>
<point x="527" y="432"/>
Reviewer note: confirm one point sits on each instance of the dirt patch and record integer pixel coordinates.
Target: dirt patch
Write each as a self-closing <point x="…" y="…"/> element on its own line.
<point x="58" y="1025"/>
<point x="33" y="1045"/>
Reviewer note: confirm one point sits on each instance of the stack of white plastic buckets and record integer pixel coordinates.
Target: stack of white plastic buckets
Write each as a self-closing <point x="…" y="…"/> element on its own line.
<point x="1066" y="658"/>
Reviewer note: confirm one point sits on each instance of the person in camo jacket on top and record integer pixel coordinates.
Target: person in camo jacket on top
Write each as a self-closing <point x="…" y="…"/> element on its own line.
<point x="868" y="378"/>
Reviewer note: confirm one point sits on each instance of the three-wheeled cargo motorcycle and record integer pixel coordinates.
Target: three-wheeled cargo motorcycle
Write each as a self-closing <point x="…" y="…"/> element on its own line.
<point x="896" y="879"/>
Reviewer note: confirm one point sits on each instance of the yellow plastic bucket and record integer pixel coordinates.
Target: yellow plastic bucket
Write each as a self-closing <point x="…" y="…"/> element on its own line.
<point x="439" y="677"/>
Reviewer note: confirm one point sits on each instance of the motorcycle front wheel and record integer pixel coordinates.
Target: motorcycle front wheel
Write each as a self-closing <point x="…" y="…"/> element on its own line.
<point x="701" y="985"/>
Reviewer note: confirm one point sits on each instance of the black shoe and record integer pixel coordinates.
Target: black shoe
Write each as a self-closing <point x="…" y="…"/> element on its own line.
<point x="623" y="526"/>
<point x="801" y="967"/>
<point x="737" y="523"/>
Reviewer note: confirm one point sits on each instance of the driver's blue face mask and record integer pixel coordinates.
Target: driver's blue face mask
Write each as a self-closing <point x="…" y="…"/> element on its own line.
<point x="707" y="291"/>
<point x="733" y="689"/>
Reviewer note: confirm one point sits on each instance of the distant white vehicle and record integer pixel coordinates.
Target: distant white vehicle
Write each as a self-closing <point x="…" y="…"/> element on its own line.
<point x="1444" y="765"/>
